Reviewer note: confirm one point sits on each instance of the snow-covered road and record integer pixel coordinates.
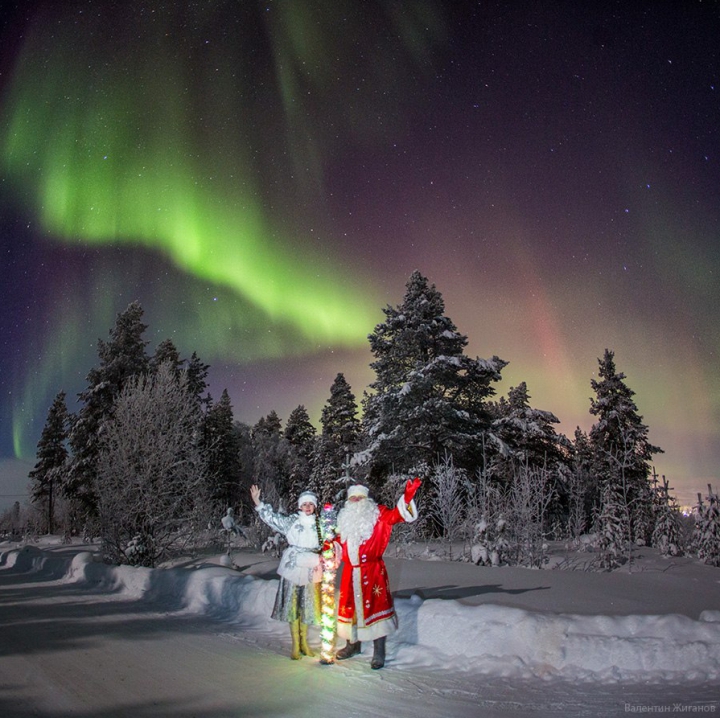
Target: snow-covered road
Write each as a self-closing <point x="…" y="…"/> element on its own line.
<point x="69" y="648"/>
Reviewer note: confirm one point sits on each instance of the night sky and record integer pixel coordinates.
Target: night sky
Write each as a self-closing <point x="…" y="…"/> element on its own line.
<point x="265" y="176"/>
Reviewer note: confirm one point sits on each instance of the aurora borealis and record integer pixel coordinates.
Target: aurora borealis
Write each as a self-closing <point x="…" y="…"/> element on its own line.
<point x="264" y="177"/>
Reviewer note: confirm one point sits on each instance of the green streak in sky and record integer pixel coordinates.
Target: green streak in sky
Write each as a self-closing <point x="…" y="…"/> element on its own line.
<point x="201" y="134"/>
<point x="148" y="136"/>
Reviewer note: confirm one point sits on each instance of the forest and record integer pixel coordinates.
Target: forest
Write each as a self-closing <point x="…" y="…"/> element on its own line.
<point x="150" y="461"/>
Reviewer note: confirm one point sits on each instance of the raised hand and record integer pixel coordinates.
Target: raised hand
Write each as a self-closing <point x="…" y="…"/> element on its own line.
<point x="255" y="494"/>
<point x="411" y="489"/>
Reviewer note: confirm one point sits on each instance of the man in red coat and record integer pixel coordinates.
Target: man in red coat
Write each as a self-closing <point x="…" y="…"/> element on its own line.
<point x="365" y="610"/>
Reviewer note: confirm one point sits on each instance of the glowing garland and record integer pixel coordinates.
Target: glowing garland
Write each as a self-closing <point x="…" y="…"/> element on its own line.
<point x="327" y="587"/>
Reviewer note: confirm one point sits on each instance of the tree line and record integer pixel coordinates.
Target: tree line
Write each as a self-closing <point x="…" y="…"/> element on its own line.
<point x="150" y="457"/>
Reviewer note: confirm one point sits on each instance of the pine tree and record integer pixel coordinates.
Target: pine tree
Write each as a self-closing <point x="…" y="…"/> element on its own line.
<point x="428" y="399"/>
<point x="121" y="358"/>
<point x="197" y="372"/>
<point x="339" y="415"/>
<point x="300" y="436"/>
<point x="339" y="439"/>
<point x="621" y="450"/>
<point x="270" y="460"/>
<point x="222" y="451"/>
<point x="166" y="352"/>
<point x="48" y="474"/>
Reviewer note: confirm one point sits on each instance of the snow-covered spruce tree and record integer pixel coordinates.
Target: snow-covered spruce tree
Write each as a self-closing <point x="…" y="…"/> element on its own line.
<point x="532" y="445"/>
<point x="529" y="435"/>
<point x="121" y="358"/>
<point x="612" y="528"/>
<point x="48" y="475"/>
<point x="668" y="534"/>
<point x="220" y="443"/>
<point x="150" y="470"/>
<point x="621" y="451"/>
<point x="428" y="399"/>
<point x="338" y="441"/>
<point x="300" y="437"/>
<point x="706" y="534"/>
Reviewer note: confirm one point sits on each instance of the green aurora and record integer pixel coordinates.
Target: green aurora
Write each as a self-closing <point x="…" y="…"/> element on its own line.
<point x="198" y="134"/>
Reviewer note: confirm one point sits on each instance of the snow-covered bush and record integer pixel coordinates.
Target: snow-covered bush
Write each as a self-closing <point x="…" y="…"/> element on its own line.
<point x="446" y="503"/>
<point x="486" y="522"/>
<point x="490" y="546"/>
<point x="531" y="494"/>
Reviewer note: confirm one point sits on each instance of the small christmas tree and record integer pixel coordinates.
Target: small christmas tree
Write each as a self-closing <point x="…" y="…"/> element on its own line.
<point x="667" y="535"/>
<point x="706" y="535"/>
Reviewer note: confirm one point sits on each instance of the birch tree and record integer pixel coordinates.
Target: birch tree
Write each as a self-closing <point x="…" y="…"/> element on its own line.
<point x="150" y="469"/>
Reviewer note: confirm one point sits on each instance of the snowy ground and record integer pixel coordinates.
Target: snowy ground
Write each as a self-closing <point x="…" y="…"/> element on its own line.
<point x="79" y="638"/>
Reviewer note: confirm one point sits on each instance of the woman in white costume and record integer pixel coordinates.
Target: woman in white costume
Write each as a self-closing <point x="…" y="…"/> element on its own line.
<point x="298" y="597"/>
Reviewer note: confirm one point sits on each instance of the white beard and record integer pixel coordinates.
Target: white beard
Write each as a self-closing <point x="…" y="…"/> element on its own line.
<point x="356" y="521"/>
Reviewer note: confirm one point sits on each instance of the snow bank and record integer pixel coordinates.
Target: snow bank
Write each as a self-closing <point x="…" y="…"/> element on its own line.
<point x="439" y="634"/>
<point x="510" y="642"/>
<point x="218" y="592"/>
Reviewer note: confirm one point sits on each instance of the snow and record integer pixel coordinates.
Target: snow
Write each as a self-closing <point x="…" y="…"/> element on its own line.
<point x="459" y="623"/>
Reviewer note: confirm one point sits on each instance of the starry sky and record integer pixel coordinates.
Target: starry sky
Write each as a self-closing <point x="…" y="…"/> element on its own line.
<point x="265" y="176"/>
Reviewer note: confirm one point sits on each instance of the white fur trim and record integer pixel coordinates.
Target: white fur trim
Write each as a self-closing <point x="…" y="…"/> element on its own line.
<point x="307" y="497"/>
<point x="352" y="632"/>
<point x="358" y="490"/>
<point x="409" y="511"/>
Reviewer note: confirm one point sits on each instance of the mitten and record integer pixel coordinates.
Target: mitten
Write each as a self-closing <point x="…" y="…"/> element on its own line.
<point x="411" y="489"/>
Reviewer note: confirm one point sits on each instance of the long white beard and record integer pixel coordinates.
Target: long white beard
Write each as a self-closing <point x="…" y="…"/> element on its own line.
<point x="356" y="521"/>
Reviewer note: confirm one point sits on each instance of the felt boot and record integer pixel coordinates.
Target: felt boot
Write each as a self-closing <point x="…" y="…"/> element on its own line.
<point x="304" y="645"/>
<point x="350" y="650"/>
<point x="378" y="659"/>
<point x="295" y="635"/>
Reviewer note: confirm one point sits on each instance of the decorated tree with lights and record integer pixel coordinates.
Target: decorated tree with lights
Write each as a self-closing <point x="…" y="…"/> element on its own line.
<point x="429" y="399"/>
<point x="48" y="474"/>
